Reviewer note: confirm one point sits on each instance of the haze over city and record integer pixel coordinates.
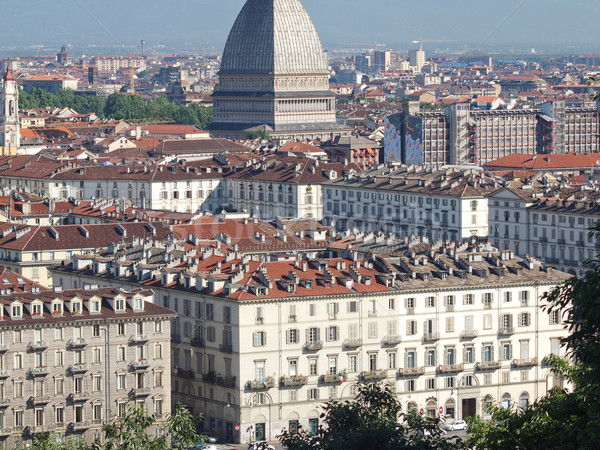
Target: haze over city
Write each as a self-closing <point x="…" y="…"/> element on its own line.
<point x="547" y="25"/>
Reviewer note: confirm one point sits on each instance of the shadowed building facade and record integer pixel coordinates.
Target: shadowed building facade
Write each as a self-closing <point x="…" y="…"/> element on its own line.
<point x="274" y="76"/>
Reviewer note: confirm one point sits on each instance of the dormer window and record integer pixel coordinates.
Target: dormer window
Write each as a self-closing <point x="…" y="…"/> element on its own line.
<point x="95" y="306"/>
<point x="138" y="304"/>
<point x="36" y="310"/>
<point x="120" y="305"/>
<point x="57" y="308"/>
<point x="17" y="312"/>
<point x="76" y="308"/>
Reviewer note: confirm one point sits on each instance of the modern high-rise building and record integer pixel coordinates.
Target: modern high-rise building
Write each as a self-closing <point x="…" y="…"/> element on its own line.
<point x="417" y="59"/>
<point x="274" y="76"/>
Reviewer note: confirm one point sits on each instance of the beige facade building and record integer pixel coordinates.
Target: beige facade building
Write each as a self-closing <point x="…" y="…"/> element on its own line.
<point x="72" y="360"/>
<point x="258" y="346"/>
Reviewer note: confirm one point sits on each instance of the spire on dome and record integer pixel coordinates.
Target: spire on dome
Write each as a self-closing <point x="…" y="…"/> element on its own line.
<point x="9" y="76"/>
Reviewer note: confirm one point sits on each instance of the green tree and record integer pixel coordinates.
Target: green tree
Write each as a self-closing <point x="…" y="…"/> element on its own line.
<point x="372" y="420"/>
<point x="183" y="427"/>
<point x="562" y="419"/>
<point x="258" y="134"/>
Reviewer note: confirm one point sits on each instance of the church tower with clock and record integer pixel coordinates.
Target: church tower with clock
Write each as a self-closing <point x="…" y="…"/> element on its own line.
<point x="10" y="133"/>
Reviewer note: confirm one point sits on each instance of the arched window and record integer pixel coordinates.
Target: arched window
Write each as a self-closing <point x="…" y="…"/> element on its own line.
<point x="412" y="408"/>
<point x="506" y="400"/>
<point x="488" y="401"/>
<point x="524" y="400"/>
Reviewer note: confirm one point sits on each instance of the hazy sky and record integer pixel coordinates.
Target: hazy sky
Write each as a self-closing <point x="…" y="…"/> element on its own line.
<point x="197" y="22"/>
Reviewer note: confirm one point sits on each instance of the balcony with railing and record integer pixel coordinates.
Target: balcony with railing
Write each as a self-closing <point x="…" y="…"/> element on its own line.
<point x="4" y="347"/>
<point x="40" y="399"/>
<point x="79" y="368"/>
<point x="188" y="374"/>
<point x="5" y="373"/>
<point x="80" y="426"/>
<point x="77" y="343"/>
<point x="295" y="380"/>
<point x="506" y="331"/>
<point x="313" y="346"/>
<point x="6" y="431"/>
<point x="140" y="364"/>
<point x="411" y="371"/>
<point x="5" y="402"/>
<point x="228" y="382"/>
<point x="197" y="342"/>
<point x="525" y="362"/>
<point x="391" y="339"/>
<point x="39" y="371"/>
<point x="431" y="337"/>
<point x="226" y="348"/>
<point x="37" y="345"/>
<point x="139" y="339"/>
<point x="353" y="343"/>
<point x="379" y="374"/>
<point x="141" y="392"/>
<point x="333" y="378"/>
<point x="267" y="383"/>
<point x="488" y="365"/>
<point x="468" y="334"/>
<point x="451" y="368"/>
<point x="80" y="396"/>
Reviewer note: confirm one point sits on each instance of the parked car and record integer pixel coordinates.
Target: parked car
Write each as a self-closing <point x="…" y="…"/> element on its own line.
<point x="204" y="447"/>
<point x="259" y="445"/>
<point x="456" y="425"/>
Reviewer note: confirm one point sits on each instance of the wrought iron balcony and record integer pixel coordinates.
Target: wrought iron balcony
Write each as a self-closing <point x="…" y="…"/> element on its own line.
<point x="333" y="378"/>
<point x="77" y="343"/>
<point x="296" y="380"/>
<point x="431" y="337"/>
<point x="261" y="384"/>
<point x="39" y="371"/>
<point x="468" y="334"/>
<point x="527" y="362"/>
<point x="80" y="396"/>
<point x="451" y="368"/>
<point x="391" y="340"/>
<point x="37" y="345"/>
<point x="139" y="339"/>
<point x="313" y="345"/>
<point x="353" y="343"/>
<point x="379" y="374"/>
<point x="79" y="368"/>
<point x="411" y="371"/>
<point x="488" y="365"/>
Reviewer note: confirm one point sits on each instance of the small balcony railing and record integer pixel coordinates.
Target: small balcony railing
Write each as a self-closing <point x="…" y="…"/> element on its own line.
<point x="411" y="371"/>
<point x="431" y="337"/>
<point x="139" y="339"/>
<point x="506" y="331"/>
<point x="391" y="340"/>
<point x="140" y="364"/>
<point x="451" y="368"/>
<point x="261" y="384"/>
<point x="40" y="399"/>
<point x="468" y="334"/>
<point x="527" y="362"/>
<point x="39" y="371"/>
<point x="488" y="365"/>
<point x="296" y="380"/>
<point x="379" y="374"/>
<point x="313" y="345"/>
<point x="353" y="343"/>
<point x="141" y="392"/>
<point x="80" y="396"/>
<point x="79" y="368"/>
<point x="333" y="378"/>
<point x="37" y="345"/>
<point x="77" y="343"/>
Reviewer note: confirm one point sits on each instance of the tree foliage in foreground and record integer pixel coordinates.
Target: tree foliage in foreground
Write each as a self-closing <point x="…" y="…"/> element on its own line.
<point x="117" y="106"/>
<point x="561" y="419"/>
<point x="373" y="420"/>
<point x="134" y="431"/>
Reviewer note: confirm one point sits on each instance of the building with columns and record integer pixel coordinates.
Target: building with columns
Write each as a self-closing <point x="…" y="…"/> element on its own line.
<point x="274" y="76"/>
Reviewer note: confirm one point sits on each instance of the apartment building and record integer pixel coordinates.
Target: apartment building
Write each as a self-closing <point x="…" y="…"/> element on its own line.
<point x="29" y="250"/>
<point x="72" y="360"/>
<point x="552" y="225"/>
<point x="461" y="135"/>
<point x="445" y="204"/>
<point x="259" y="345"/>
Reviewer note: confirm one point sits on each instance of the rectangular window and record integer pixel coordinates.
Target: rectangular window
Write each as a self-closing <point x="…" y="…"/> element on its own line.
<point x="260" y="338"/>
<point x="468" y="299"/>
<point x="352" y="363"/>
<point x="292" y="336"/>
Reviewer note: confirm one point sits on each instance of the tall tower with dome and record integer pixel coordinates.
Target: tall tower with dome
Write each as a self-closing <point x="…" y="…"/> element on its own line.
<point x="274" y="76"/>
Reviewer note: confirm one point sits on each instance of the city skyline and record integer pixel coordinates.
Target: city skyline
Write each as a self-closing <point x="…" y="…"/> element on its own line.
<point x="515" y="24"/>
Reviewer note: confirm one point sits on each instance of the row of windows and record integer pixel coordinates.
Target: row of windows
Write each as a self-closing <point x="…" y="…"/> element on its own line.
<point x="413" y="358"/>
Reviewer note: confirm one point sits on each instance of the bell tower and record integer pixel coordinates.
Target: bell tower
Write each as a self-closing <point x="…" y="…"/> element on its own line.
<point x="10" y="133"/>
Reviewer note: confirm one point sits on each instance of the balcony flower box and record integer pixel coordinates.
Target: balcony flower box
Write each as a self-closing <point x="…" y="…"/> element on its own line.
<point x="296" y="380"/>
<point x="267" y="383"/>
<point x="334" y="378"/>
<point x="374" y="375"/>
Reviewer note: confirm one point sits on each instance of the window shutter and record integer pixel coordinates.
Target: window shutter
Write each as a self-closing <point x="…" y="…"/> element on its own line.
<point x="254" y="339"/>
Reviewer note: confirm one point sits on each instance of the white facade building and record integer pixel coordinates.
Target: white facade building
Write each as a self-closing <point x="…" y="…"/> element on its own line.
<point x="259" y="346"/>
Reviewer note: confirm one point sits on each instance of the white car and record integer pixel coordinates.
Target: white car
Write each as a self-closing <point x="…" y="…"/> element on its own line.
<point x="456" y="425"/>
<point x="255" y="446"/>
